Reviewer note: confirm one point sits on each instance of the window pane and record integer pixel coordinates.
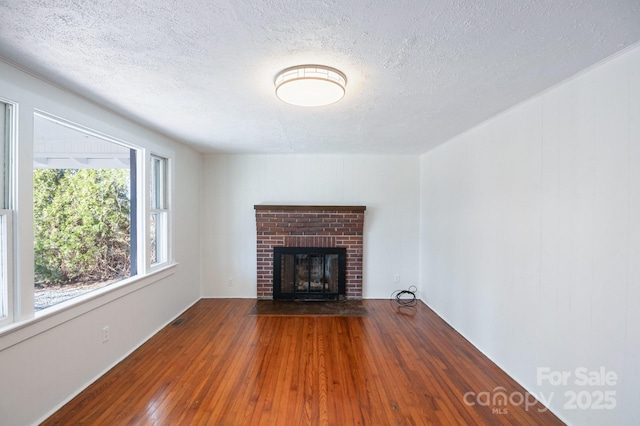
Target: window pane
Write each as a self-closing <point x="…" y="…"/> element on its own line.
<point x="153" y="236"/>
<point x="82" y="212"/>
<point x="158" y="237"/>
<point x="4" y="258"/>
<point x="157" y="182"/>
<point x="6" y="112"/>
<point x="158" y="219"/>
<point x="154" y="183"/>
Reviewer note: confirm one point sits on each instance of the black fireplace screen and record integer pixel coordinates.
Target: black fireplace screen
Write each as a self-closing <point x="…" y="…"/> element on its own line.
<point x="310" y="273"/>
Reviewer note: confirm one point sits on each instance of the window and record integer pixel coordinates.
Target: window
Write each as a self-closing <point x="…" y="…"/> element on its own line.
<point x="7" y="118"/>
<point x="5" y="266"/>
<point x="159" y="212"/>
<point x="94" y="199"/>
<point x="84" y="211"/>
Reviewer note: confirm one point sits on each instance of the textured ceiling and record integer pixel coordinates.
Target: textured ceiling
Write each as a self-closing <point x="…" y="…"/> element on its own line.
<point x="419" y="72"/>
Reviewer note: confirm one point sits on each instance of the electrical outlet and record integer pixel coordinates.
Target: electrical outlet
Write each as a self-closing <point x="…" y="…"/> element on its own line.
<point x="230" y="282"/>
<point x="105" y="334"/>
<point x="396" y="278"/>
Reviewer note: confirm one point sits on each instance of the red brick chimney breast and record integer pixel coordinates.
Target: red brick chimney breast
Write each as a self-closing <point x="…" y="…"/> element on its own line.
<point x="309" y="226"/>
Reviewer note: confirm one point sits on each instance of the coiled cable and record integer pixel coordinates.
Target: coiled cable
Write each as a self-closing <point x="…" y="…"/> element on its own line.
<point x="406" y="297"/>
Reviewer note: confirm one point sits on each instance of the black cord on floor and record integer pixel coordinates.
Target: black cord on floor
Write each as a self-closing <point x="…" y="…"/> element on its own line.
<point x="406" y="297"/>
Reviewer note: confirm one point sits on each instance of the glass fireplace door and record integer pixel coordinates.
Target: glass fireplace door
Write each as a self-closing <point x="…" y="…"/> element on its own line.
<point x="308" y="273"/>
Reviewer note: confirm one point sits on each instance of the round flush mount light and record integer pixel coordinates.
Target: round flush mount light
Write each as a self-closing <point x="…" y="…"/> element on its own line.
<point x="310" y="85"/>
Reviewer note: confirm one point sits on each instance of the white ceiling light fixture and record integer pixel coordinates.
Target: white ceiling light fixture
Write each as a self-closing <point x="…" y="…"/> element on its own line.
<point x="310" y="85"/>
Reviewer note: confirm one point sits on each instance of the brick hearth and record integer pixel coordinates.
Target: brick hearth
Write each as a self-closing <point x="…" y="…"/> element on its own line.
<point x="309" y="226"/>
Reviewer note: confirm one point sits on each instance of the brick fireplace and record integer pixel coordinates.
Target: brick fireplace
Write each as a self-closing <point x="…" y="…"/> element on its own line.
<point x="309" y="226"/>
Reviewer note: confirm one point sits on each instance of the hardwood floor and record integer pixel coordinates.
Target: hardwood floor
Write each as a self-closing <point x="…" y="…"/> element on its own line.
<point x="222" y="366"/>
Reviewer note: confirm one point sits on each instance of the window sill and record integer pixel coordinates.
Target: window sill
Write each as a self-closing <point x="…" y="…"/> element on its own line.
<point x="49" y="318"/>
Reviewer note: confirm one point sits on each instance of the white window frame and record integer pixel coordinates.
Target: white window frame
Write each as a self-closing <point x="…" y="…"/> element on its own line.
<point x="8" y="289"/>
<point x="139" y="153"/>
<point x="164" y="248"/>
<point x="22" y="321"/>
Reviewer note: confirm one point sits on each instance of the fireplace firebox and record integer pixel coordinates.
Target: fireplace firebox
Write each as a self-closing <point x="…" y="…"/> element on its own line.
<point x="309" y="273"/>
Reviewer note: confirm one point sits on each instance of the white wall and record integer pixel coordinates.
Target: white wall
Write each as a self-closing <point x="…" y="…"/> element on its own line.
<point x="387" y="185"/>
<point x="530" y="236"/>
<point x="49" y="359"/>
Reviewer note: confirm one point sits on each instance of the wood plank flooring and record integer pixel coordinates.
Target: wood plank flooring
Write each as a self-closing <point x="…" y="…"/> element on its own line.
<point x="222" y="366"/>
